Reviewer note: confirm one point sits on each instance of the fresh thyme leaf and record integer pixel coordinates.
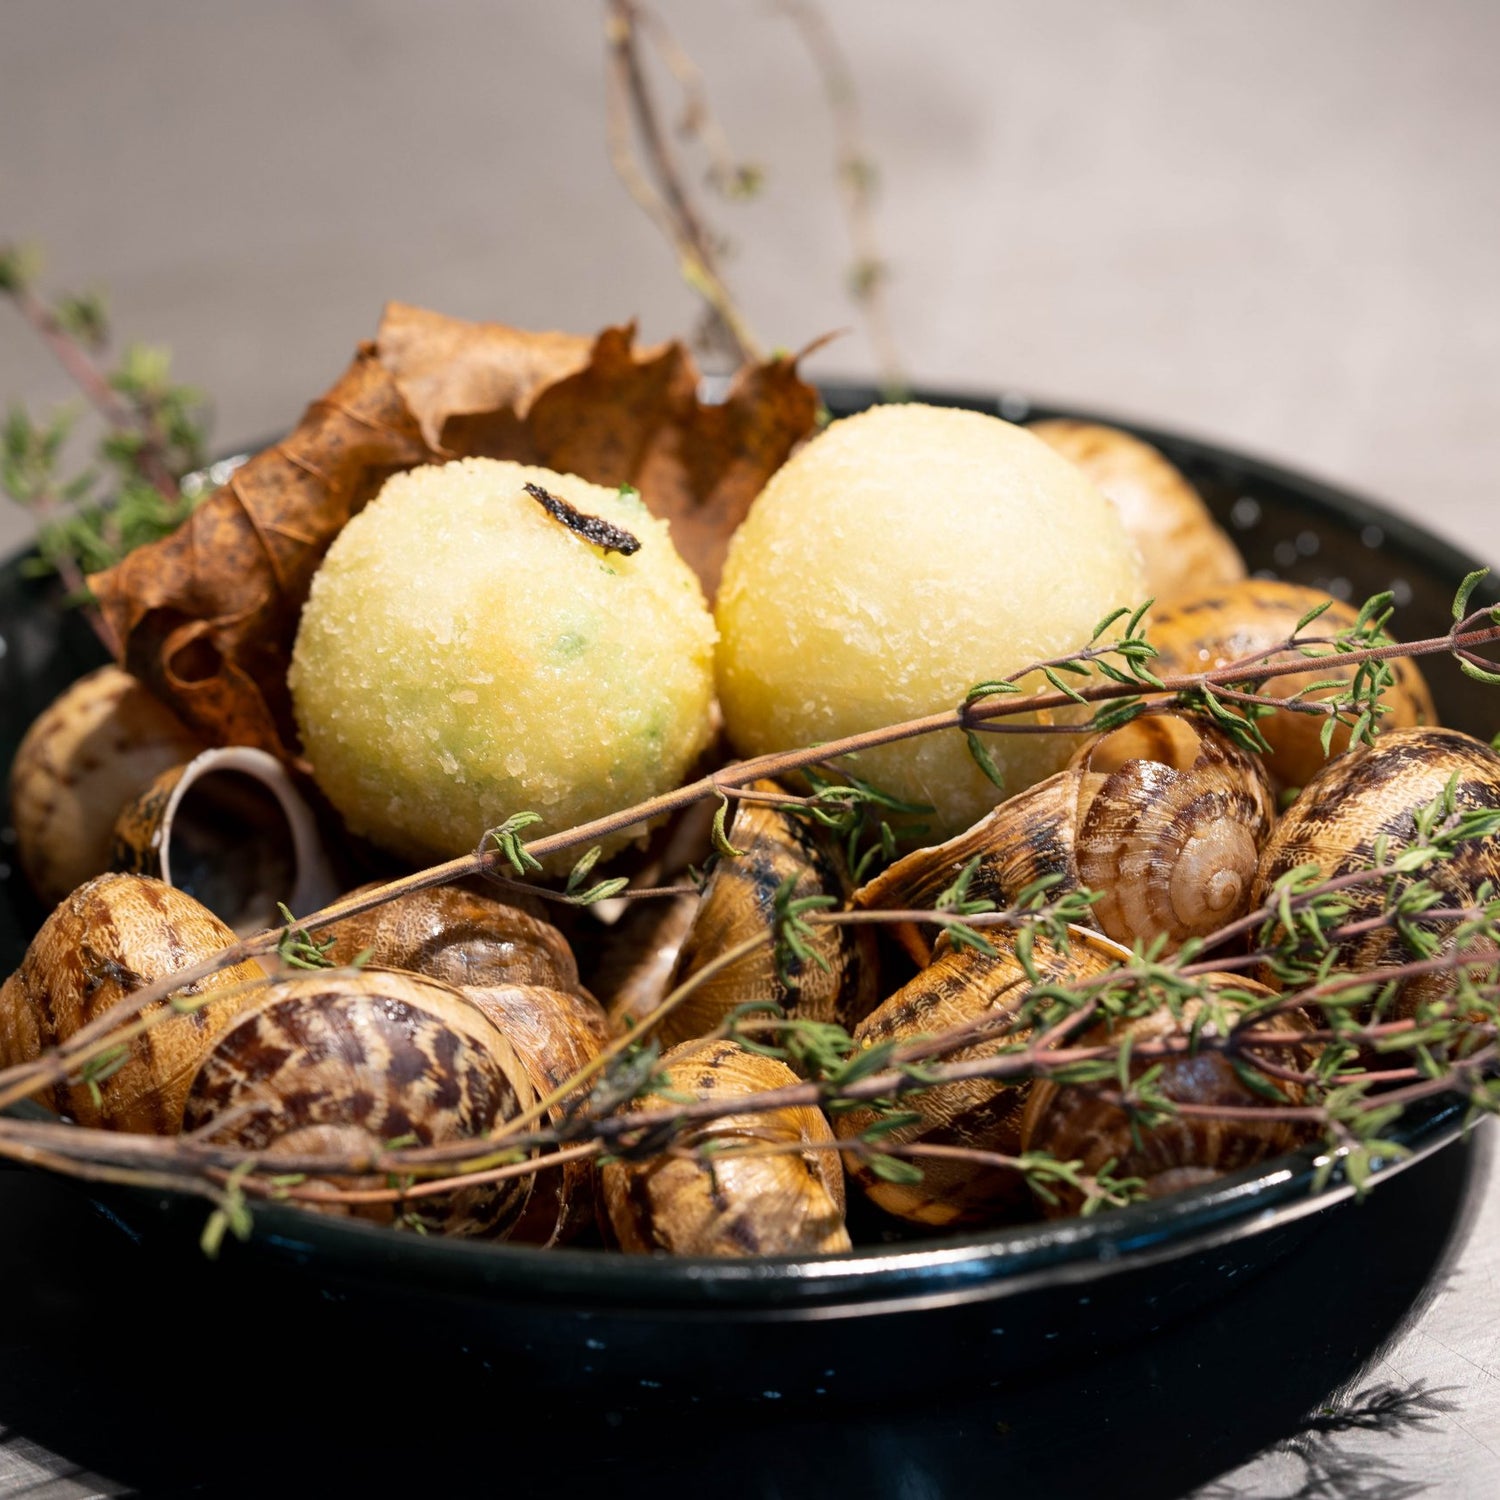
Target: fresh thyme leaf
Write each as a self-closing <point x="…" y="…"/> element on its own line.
<point x="298" y="948"/>
<point x="983" y="759"/>
<point x="507" y="840"/>
<point x="720" y="836"/>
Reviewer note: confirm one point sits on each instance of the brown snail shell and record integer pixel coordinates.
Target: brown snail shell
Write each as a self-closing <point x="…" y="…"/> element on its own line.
<point x="231" y="829"/>
<point x="962" y="985"/>
<point x="520" y="972"/>
<point x="555" y="1033"/>
<point x="345" y="1063"/>
<point x="110" y="937"/>
<point x="738" y="902"/>
<point x="83" y="758"/>
<point x="1074" y="1123"/>
<point x="1223" y="624"/>
<point x="1374" y="791"/>
<point x="1164" y="816"/>
<point x="1182" y="548"/>
<point x="460" y="937"/>
<point x="733" y="1205"/>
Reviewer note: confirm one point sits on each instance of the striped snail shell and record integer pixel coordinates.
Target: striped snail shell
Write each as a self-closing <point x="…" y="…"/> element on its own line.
<point x="1224" y="624"/>
<point x="518" y="969"/>
<point x="730" y="1204"/>
<point x="963" y="985"/>
<point x="555" y="1033"/>
<point x="1181" y="547"/>
<point x="113" y="935"/>
<point x="738" y="903"/>
<point x="1164" y="816"/>
<point x="1376" y="791"/>
<point x="231" y="829"/>
<point x="1074" y="1123"/>
<point x="460" y="937"/>
<point x="92" y="749"/>
<point x="343" y="1063"/>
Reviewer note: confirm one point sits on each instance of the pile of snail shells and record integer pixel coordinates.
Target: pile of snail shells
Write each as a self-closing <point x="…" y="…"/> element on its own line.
<point x="342" y="1062"/>
<point x="1165" y="816"/>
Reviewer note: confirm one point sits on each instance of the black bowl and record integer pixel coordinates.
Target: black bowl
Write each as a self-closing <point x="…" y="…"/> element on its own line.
<point x="982" y="1304"/>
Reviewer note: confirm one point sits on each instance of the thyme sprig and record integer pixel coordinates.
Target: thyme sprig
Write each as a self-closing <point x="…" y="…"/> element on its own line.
<point x="150" y="432"/>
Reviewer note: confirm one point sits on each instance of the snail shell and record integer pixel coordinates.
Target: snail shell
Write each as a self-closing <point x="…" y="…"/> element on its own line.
<point x="738" y="903"/>
<point x="1165" y="816"/>
<point x="460" y="937"/>
<point x="110" y="937"/>
<point x="231" y="829"/>
<point x="345" y="1063"/>
<point x="555" y="1033"/>
<point x="91" y="750"/>
<point x="1074" y="1123"/>
<point x="520" y="972"/>
<point x="1181" y="547"/>
<point x="791" y="1204"/>
<point x="1224" y="624"/>
<point x="962" y="985"/>
<point x="1376" y="791"/>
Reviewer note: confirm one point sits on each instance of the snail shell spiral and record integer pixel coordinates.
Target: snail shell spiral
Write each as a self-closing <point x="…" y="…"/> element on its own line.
<point x="1165" y="817"/>
<point x="518" y="969"/>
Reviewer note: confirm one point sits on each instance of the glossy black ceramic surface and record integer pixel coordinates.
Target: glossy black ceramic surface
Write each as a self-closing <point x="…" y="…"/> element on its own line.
<point x="983" y="1305"/>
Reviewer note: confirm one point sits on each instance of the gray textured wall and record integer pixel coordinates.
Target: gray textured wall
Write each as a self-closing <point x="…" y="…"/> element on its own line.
<point x="1272" y="223"/>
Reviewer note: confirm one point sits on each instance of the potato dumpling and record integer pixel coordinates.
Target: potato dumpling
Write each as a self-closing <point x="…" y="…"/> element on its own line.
<point x="465" y="654"/>
<point x="904" y="555"/>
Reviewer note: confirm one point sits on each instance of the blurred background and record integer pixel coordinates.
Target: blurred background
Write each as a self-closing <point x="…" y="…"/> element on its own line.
<point x="1271" y="224"/>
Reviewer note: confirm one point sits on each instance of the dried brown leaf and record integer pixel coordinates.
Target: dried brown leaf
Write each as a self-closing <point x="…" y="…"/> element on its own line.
<point x="209" y="614"/>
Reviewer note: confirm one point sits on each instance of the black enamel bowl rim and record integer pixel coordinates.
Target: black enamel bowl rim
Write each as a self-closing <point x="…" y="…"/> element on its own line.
<point x="912" y="1275"/>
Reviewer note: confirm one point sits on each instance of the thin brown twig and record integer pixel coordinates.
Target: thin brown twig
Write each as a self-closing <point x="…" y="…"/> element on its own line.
<point x="658" y="188"/>
<point x="870" y="274"/>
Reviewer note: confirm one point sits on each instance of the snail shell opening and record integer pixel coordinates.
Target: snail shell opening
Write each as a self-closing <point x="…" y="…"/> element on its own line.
<point x="1171" y="819"/>
<point x="230" y="829"/>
